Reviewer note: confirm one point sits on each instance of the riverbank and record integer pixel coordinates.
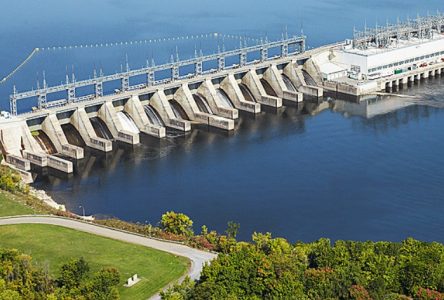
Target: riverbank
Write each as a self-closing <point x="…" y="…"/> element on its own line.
<point x="20" y="199"/>
<point x="43" y="196"/>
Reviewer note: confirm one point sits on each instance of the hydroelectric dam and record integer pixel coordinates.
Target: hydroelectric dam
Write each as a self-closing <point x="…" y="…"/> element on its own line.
<point x="56" y="132"/>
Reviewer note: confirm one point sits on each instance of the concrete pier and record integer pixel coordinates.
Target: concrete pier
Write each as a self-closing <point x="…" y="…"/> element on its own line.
<point x="294" y="72"/>
<point x="274" y="78"/>
<point x="60" y="164"/>
<point x="252" y="81"/>
<point x="81" y="122"/>
<point x="409" y="77"/>
<point x="207" y="90"/>
<point x="128" y="137"/>
<point x="231" y="88"/>
<point x="108" y="114"/>
<point x="54" y="131"/>
<point x="135" y="109"/>
<point x="37" y="159"/>
<point x="15" y="136"/>
<point x="18" y="162"/>
<point x="184" y="97"/>
<point x="161" y="105"/>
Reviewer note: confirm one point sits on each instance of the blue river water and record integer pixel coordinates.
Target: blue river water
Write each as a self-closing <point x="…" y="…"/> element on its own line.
<point x="370" y="170"/>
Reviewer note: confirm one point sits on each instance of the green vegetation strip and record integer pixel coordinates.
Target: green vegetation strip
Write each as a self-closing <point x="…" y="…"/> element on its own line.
<point x="52" y="246"/>
<point x="10" y="205"/>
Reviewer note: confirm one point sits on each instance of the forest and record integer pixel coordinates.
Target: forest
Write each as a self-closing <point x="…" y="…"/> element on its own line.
<point x="20" y="278"/>
<point x="272" y="268"/>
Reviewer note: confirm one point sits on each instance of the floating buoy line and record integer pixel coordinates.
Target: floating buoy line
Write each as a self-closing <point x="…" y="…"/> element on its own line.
<point x="217" y="35"/>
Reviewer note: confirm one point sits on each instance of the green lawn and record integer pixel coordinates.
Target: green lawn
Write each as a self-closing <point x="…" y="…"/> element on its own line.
<point x="51" y="246"/>
<point x="10" y="205"/>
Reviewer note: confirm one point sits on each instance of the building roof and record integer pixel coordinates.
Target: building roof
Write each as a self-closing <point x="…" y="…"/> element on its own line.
<point x="330" y="68"/>
<point x="373" y="50"/>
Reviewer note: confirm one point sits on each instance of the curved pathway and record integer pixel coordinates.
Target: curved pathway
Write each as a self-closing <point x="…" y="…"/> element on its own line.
<point x="197" y="257"/>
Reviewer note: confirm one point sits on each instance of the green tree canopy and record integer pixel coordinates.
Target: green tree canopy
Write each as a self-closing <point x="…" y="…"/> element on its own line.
<point x="21" y="279"/>
<point x="271" y="268"/>
<point x="177" y="223"/>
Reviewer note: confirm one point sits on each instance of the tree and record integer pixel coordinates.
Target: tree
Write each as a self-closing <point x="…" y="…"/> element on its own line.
<point x="204" y="230"/>
<point x="21" y="279"/>
<point x="422" y="266"/>
<point x="271" y="268"/>
<point x="180" y="291"/>
<point x="19" y="276"/>
<point x="103" y="286"/>
<point x="73" y="273"/>
<point x="177" y="223"/>
<point x="232" y="229"/>
<point x="6" y="293"/>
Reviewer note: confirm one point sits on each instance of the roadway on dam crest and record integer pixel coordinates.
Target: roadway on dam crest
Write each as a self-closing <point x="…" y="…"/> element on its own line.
<point x="197" y="257"/>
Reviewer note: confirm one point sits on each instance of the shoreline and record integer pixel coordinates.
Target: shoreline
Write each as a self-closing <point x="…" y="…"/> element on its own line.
<point x="48" y="200"/>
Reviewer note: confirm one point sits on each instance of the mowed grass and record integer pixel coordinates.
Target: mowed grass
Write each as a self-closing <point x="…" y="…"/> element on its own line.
<point x="10" y="205"/>
<point x="51" y="246"/>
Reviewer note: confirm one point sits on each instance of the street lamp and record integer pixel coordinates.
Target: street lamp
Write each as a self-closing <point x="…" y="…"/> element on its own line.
<point x="83" y="209"/>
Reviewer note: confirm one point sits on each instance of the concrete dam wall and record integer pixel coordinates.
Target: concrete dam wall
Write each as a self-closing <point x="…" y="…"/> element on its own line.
<point x="57" y="133"/>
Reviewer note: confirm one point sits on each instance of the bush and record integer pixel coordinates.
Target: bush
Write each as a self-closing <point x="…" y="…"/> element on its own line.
<point x="358" y="292"/>
<point x="11" y="181"/>
<point x="178" y="291"/>
<point x="177" y="223"/>
<point x="142" y="229"/>
<point x="427" y="294"/>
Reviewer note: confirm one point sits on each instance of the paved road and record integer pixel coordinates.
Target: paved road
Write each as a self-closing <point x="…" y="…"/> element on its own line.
<point x="197" y="257"/>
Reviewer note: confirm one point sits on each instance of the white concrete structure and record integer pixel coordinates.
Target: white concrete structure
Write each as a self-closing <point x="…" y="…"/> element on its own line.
<point x="402" y="55"/>
<point x="132" y="281"/>
<point x="331" y="71"/>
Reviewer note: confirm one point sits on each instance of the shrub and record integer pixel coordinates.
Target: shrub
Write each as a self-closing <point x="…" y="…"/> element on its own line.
<point x="177" y="223"/>
<point x="428" y="294"/>
<point x="11" y="181"/>
<point x="358" y="292"/>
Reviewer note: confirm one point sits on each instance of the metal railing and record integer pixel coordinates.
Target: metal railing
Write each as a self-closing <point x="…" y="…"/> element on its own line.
<point x="41" y="93"/>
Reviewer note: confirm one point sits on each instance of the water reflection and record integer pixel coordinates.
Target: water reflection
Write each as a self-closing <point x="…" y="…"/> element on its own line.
<point x="271" y="123"/>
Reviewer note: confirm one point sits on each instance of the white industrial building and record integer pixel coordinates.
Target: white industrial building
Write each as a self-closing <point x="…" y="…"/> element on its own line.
<point x="383" y="51"/>
<point x="401" y="55"/>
